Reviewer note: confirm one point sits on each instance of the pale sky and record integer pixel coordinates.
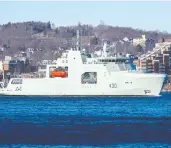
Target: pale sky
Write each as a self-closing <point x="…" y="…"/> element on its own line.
<point x="142" y="15"/>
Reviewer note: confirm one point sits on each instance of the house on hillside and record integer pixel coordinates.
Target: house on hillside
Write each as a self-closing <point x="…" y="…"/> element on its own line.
<point x="140" y="41"/>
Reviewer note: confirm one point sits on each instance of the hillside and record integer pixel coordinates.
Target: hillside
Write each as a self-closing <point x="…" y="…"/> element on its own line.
<point x="39" y="35"/>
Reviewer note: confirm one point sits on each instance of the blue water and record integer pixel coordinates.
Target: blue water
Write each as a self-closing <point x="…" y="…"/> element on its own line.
<point x="121" y="122"/>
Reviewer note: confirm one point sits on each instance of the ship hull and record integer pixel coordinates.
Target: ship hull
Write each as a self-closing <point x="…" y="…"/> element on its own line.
<point x="127" y="84"/>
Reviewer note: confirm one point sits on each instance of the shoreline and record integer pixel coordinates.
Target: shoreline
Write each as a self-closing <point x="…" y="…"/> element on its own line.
<point x="166" y="88"/>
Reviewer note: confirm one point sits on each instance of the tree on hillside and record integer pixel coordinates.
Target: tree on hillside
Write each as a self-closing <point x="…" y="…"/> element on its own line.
<point x="45" y="32"/>
<point x="94" y="41"/>
<point x="53" y="26"/>
<point x="49" y="25"/>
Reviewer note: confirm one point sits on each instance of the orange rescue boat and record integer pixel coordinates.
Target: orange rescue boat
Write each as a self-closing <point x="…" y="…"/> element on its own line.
<point x="56" y="73"/>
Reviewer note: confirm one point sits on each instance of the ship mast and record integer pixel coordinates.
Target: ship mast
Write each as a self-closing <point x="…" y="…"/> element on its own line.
<point x="78" y="41"/>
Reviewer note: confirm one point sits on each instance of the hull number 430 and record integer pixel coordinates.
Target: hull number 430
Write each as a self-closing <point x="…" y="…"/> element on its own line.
<point x="113" y="85"/>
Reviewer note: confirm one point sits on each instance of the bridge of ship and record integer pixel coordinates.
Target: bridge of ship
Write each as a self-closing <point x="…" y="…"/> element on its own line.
<point x="123" y="63"/>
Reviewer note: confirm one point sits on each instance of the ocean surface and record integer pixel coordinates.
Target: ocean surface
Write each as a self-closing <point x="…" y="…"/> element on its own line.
<point x="85" y="122"/>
